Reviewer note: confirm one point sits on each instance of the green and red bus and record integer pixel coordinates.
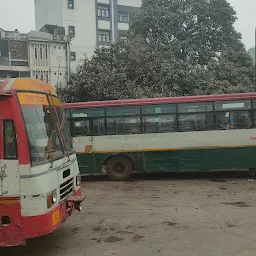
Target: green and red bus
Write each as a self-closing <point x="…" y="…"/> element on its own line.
<point x="190" y="133"/>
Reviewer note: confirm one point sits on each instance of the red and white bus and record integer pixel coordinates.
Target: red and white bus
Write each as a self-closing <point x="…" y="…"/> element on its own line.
<point x="191" y="133"/>
<point x="39" y="174"/>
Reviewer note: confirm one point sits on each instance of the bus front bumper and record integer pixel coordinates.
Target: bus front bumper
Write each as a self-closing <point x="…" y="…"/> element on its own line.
<point x="36" y="226"/>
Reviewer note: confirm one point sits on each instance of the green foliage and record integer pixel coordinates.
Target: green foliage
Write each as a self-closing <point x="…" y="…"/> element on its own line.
<point x="251" y="52"/>
<point x="174" y="47"/>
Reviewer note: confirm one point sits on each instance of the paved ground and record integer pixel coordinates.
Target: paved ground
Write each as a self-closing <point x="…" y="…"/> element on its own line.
<point x="162" y="216"/>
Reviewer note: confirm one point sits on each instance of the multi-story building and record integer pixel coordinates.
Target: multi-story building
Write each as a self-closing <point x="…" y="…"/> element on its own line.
<point x="90" y="23"/>
<point x="40" y="55"/>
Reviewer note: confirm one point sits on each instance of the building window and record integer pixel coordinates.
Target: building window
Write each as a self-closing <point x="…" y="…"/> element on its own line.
<point x="103" y="11"/>
<point x="104" y="36"/>
<point x="122" y="34"/>
<point x="123" y="17"/>
<point x="35" y="53"/>
<point x="72" y="56"/>
<point x="71" y="4"/>
<point x="71" y="30"/>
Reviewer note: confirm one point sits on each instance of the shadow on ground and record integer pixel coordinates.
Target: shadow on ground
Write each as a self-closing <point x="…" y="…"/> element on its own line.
<point x="212" y="176"/>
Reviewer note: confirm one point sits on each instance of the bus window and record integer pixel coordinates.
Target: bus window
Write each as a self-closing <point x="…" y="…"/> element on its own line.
<point x="155" y="118"/>
<point x="87" y="113"/>
<point x="167" y="123"/>
<point x="123" y="120"/>
<point x="43" y="135"/>
<point x="196" y="116"/>
<point x="98" y="126"/>
<point x="115" y="126"/>
<point x="187" y="122"/>
<point x="195" y="107"/>
<point x="123" y="111"/>
<point x="67" y="114"/>
<point x="150" y="124"/>
<point x="159" y="123"/>
<point x="131" y="125"/>
<point x="159" y="109"/>
<point x="234" y="120"/>
<point x="232" y="105"/>
<point x="233" y="114"/>
<point x="80" y="127"/>
<point x="196" y="122"/>
<point x="10" y="143"/>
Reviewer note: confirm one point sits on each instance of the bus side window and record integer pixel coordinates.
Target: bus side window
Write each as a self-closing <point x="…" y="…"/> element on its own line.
<point x="131" y="125"/>
<point x="115" y="126"/>
<point x="98" y="126"/>
<point x="80" y="127"/>
<point x="10" y="142"/>
<point x="196" y="116"/>
<point x="233" y="114"/>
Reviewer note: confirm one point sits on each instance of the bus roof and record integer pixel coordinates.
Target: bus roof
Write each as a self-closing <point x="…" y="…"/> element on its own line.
<point x="167" y="100"/>
<point x="24" y="84"/>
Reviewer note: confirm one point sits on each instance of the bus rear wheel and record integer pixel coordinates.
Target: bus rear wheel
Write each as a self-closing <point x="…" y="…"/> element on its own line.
<point x="119" y="168"/>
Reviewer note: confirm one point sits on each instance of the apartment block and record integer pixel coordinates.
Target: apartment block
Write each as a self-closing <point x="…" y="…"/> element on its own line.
<point x="40" y="55"/>
<point x="89" y="23"/>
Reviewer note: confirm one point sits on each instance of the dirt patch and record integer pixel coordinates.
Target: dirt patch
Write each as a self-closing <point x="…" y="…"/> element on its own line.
<point x="230" y="225"/>
<point x="75" y="230"/>
<point x="238" y="204"/>
<point x="96" y="229"/>
<point x="124" y="232"/>
<point x="113" y="239"/>
<point x="217" y="180"/>
<point x="137" y="238"/>
<point x="169" y="223"/>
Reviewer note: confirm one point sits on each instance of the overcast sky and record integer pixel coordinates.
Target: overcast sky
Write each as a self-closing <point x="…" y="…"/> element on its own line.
<point x="22" y="17"/>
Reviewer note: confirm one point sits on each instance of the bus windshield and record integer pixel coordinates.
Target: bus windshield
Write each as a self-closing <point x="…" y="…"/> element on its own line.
<point x="65" y="128"/>
<point x="43" y="132"/>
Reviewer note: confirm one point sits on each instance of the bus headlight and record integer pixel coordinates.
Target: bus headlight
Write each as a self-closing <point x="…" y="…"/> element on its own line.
<point x="51" y="198"/>
<point x="54" y="196"/>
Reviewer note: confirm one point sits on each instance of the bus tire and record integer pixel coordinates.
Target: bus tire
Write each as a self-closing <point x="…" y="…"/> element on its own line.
<point x="119" y="168"/>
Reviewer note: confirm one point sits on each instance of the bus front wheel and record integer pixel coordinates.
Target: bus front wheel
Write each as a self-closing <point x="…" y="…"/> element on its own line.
<point x="119" y="168"/>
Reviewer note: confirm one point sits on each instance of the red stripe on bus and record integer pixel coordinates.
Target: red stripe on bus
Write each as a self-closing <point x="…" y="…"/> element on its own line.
<point x="168" y="100"/>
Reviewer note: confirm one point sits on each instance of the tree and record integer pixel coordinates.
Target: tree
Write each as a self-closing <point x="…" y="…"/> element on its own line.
<point x="198" y="40"/>
<point x="174" y="47"/>
<point x="251" y="52"/>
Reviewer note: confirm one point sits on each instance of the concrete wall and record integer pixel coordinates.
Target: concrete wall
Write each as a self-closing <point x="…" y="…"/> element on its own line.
<point x="134" y="3"/>
<point x="83" y="17"/>
<point x="52" y="66"/>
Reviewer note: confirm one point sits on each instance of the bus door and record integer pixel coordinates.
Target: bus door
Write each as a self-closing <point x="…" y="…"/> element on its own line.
<point x="11" y="231"/>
